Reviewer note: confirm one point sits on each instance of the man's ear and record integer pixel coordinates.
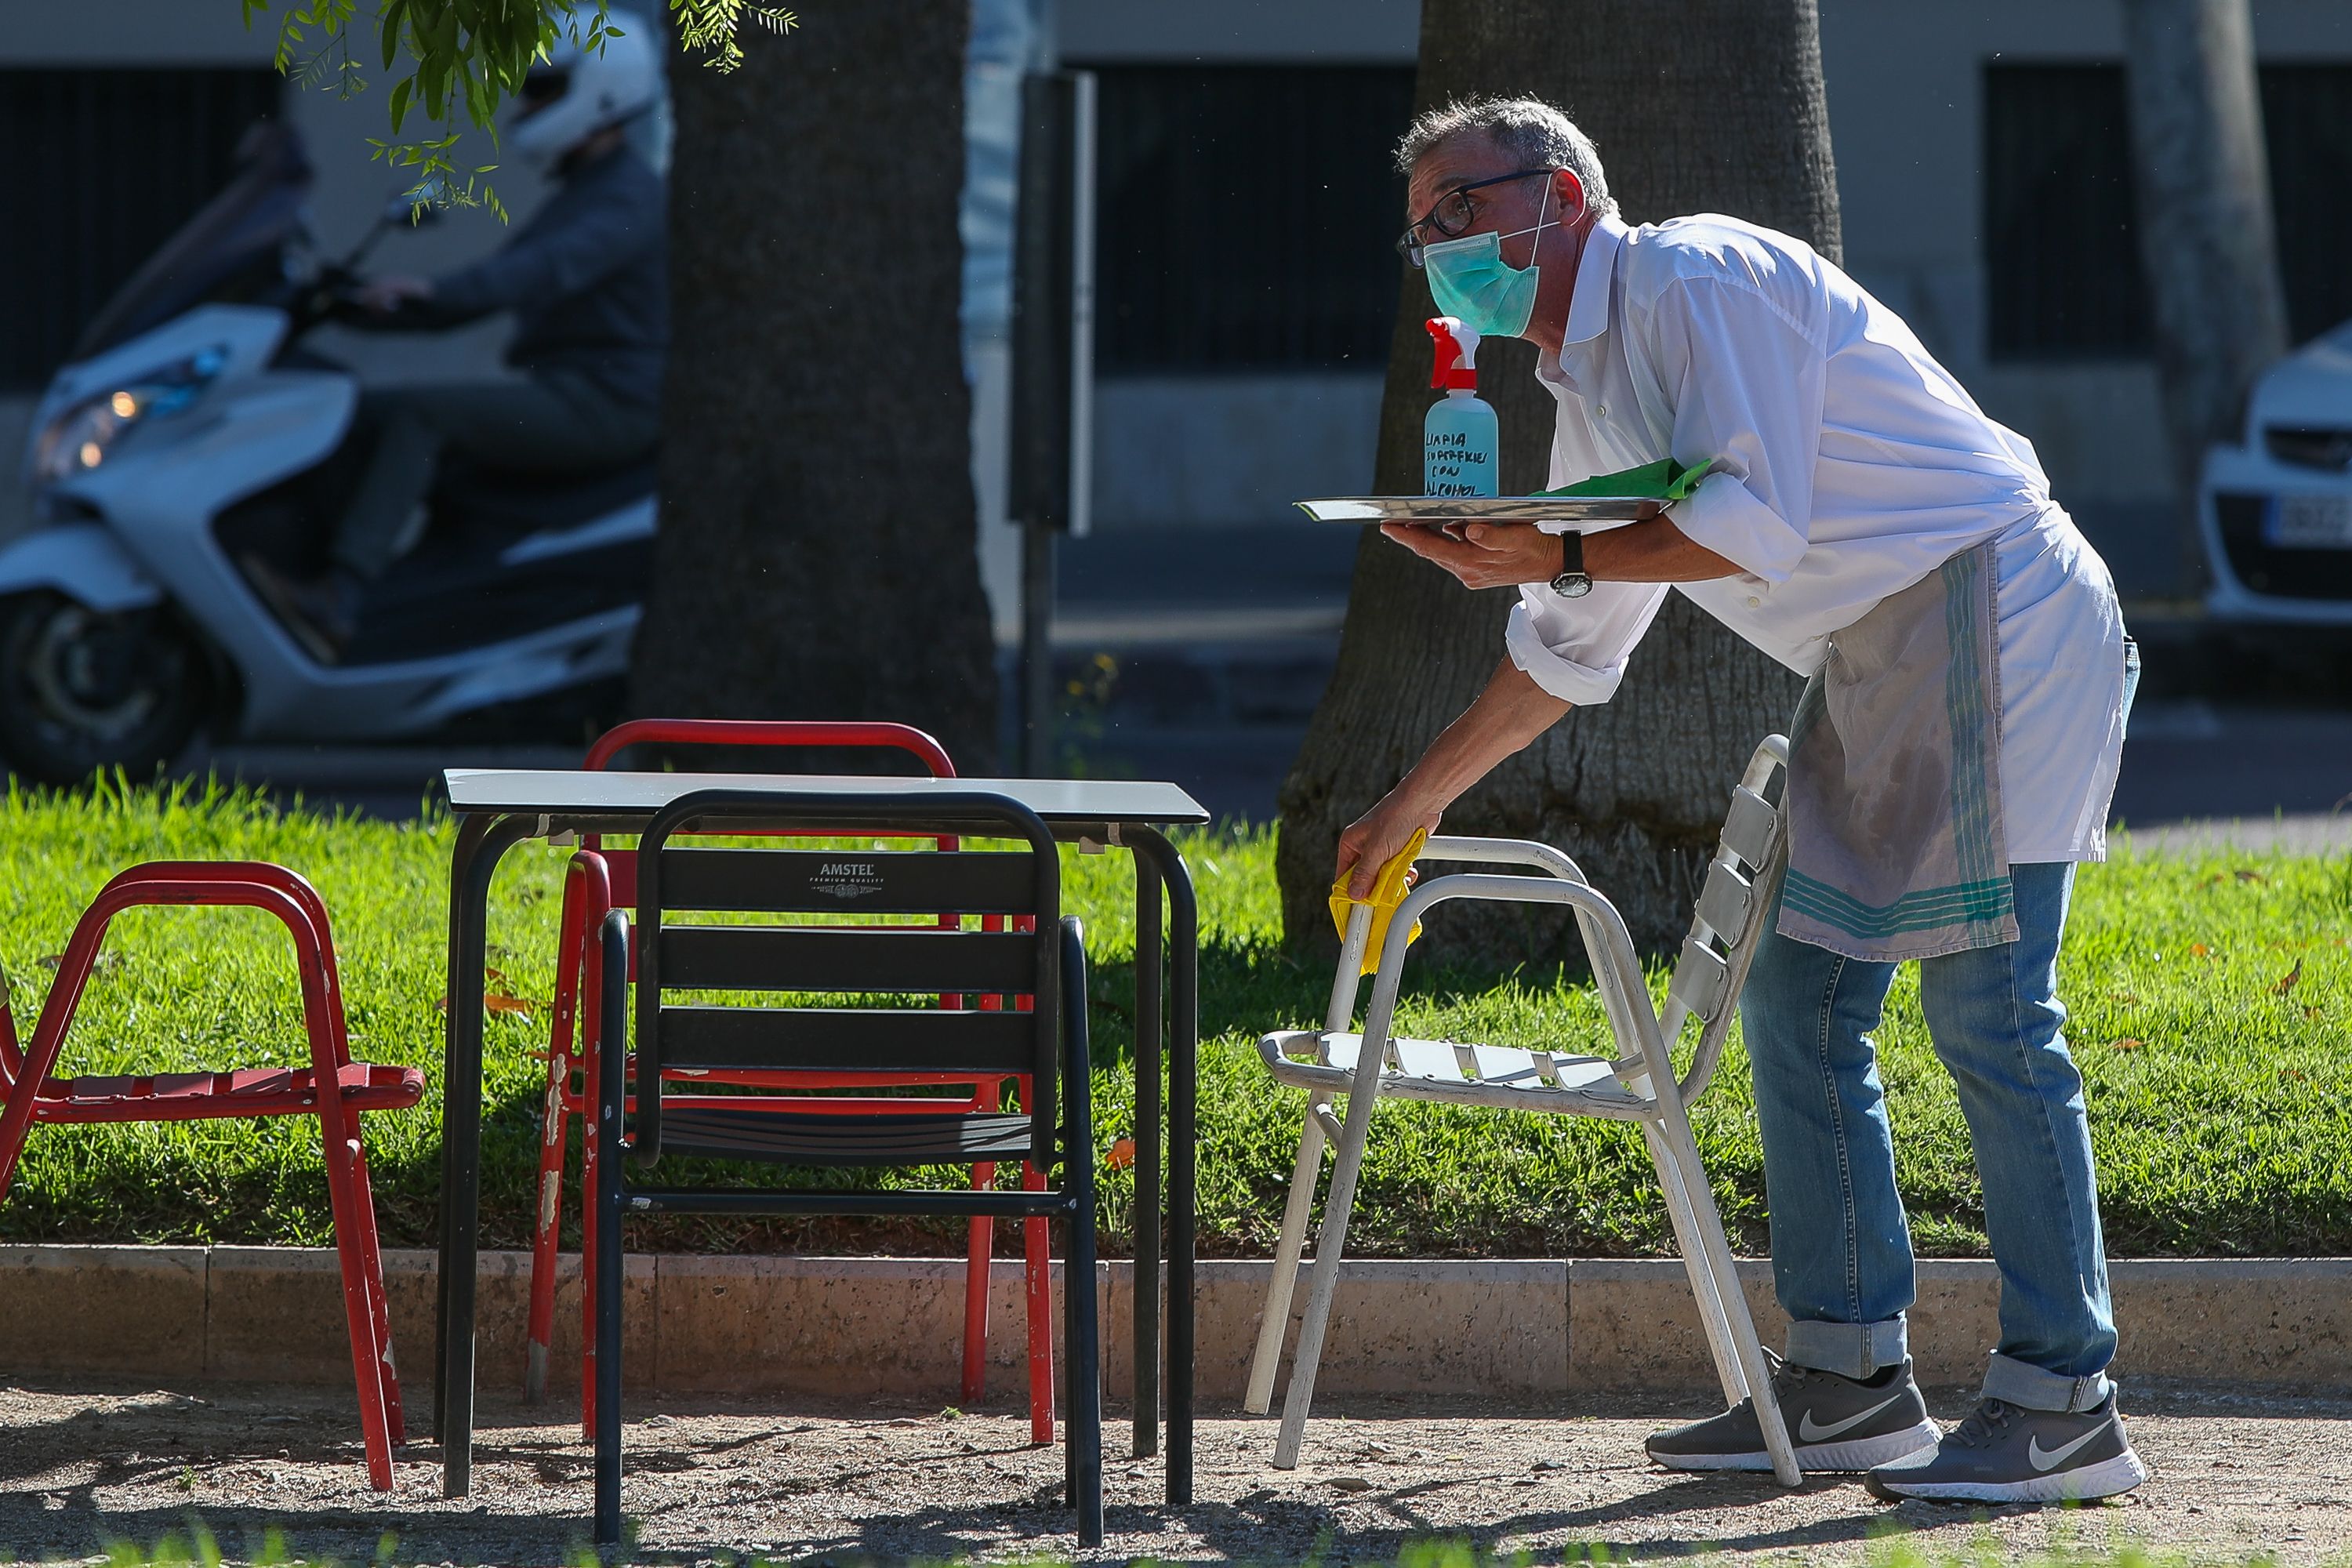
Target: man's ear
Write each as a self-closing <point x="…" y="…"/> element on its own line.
<point x="1567" y="194"/>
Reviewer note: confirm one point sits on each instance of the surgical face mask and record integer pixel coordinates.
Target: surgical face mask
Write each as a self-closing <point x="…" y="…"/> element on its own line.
<point x="1470" y="280"/>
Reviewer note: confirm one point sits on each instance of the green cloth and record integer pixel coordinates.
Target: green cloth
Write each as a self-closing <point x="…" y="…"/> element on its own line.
<point x="1663" y="481"/>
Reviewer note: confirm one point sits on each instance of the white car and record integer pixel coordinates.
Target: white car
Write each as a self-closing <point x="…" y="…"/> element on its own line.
<point x="2276" y="509"/>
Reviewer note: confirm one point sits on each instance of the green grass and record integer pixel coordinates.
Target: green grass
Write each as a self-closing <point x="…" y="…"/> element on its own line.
<point x="2220" y="1096"/>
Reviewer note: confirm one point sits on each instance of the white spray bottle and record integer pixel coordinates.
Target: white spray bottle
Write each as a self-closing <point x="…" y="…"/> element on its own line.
<point x="1459" y="444"/>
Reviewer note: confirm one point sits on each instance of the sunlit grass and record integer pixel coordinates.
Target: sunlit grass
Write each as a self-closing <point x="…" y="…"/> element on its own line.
<point x="2211" y="998"/>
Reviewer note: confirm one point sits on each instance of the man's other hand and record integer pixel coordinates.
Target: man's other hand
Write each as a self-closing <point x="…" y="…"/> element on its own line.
<point x="1488" y="555"/>
<point x="382" y="296"/>
<point x="1377" y="836"/>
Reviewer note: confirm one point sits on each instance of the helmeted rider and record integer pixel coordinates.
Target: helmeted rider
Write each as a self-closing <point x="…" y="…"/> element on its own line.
<point x="587" y="280"/>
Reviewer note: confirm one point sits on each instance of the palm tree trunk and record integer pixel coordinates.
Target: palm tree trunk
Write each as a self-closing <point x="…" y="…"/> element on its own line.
<point x="817" y="556"/>
<point x="1713" y="105"/>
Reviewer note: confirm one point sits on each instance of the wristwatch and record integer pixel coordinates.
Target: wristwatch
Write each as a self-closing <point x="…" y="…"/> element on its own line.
<point x="1573" y="581"/>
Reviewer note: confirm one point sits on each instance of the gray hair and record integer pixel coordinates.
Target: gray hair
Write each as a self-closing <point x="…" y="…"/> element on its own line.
<point x="1528" y="131"/>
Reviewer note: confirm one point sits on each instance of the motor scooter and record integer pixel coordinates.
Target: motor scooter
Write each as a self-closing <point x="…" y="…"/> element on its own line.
<point x="192" y="432"/>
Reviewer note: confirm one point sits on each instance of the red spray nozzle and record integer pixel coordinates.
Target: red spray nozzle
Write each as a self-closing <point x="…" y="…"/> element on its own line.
<point x="1457" y="352"/>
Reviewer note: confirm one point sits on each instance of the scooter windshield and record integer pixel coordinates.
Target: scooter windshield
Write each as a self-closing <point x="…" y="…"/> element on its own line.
<point x="231" y="250"/>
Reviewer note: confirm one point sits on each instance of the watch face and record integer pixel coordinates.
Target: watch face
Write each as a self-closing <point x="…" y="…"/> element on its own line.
<point x="1572" y="585"/>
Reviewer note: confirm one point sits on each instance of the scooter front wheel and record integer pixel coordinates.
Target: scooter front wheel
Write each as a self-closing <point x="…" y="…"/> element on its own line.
<point x="83" y="691"/>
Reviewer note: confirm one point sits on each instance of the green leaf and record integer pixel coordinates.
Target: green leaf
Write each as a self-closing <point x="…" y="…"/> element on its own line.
<point x="392" y="9"/>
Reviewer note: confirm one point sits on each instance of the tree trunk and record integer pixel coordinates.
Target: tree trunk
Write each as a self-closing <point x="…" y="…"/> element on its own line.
<point x="817" y="556"/>
<point x="2206" y="238"/>
<point x="1716" y="108"/>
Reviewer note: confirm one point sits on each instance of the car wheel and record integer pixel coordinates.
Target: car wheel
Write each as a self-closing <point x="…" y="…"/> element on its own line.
<point x="84" y="689"/>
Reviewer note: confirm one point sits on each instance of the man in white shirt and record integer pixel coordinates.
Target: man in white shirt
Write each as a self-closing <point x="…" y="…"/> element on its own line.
<point x="1868" y="526"/>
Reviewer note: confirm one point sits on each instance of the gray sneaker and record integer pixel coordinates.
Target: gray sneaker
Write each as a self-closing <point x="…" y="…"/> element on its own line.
<point x="1836" y="1422"/>
<point x="2006" y="1453"/>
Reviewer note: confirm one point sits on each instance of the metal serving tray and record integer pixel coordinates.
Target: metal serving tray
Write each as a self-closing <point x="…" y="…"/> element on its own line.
<point x="1437" y="511"/>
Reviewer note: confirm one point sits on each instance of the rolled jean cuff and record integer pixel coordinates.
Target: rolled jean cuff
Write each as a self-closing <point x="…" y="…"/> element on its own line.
<point x="1849" y="1350"/>
<point x="2016" y="1382"/>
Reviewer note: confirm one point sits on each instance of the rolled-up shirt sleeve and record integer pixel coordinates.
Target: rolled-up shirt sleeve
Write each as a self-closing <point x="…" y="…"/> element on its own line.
<point x="1576" y="648"/>
<point x="1748" y="385"/>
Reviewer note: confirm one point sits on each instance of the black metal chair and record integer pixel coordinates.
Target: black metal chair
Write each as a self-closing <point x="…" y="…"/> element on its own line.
<point x="1037" y="1026"/>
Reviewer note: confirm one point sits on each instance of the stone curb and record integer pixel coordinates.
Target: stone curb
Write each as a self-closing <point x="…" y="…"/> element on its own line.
<point x="893" y="1326"/>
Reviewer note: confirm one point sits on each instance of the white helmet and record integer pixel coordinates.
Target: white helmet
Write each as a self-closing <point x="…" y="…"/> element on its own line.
<point x="575" y="92"/>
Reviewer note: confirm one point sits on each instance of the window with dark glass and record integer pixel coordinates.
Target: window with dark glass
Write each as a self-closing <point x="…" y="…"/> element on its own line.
<point x="1246" y="215"/>
<point x="107" y="164"/>
<point x="2062" y="259"/>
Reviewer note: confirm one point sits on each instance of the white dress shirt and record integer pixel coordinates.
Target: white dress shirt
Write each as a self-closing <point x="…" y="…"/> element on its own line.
<point x="1850" y="466"/>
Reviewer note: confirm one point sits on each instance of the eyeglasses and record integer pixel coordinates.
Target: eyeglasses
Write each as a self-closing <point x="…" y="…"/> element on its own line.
<point x="1453" y="214"/>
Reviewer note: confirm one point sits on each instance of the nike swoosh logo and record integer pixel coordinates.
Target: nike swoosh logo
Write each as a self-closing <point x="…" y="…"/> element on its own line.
<point x="2044" y="1458"/>
<point x="1810" y="1433"/>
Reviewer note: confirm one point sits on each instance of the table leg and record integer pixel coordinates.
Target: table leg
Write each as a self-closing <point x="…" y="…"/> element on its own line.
<point x="1148" y="1146"/>
<point x="1183" y="1090"/>
<point x="461" y="1143"/>
<point x="470" y="831"/>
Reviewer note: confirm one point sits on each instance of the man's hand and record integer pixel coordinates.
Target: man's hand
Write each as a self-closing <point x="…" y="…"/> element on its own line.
<point x="1377" y="836"/>
<point x="382" y="296"/>
<point x="1650" y="549"/>
<point x="1487" y="554"/>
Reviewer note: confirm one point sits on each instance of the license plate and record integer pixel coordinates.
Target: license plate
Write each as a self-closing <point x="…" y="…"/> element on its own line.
<point x="2309" y="522"/>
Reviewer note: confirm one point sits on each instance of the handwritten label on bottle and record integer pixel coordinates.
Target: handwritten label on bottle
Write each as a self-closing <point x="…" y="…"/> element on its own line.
<point x="1452" y="466"/>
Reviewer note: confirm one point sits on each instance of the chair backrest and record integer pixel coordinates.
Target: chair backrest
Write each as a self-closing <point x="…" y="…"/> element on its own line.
<point x="754" y="734"/>
<point x="1020" y="887"/>
<point x="1733" y="902"/>
<point x="757" y="732"/>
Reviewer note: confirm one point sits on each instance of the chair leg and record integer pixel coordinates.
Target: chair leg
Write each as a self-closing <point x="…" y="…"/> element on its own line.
<point x="1705" y="1289"/>
<point x="979" y="1249"/>
<point x="1070" y="1383"/>
<point x="979" y="1252"/>
<point x="351" y="1233"/>
<point x="604" y="1228"/>
<point x="592" y="1233"/>
<point x="570" y="1038"/>
<point x="547" y="1224"/>
<point x="1330" y="1245"/>
<point x="1673" y="1129"/>
<point x="380" y="1304"/>
<point x="606" y="1393"/>
<point x="1276" y="1319"/>
<point x="1037" y="1282"/>
<point x="1086" y="1373"/>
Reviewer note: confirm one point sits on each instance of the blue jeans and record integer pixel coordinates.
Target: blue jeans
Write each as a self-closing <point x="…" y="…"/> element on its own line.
<point x="1841" y="1246"/>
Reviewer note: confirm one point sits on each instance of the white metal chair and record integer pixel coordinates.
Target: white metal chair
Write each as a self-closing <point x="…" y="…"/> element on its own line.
<point x="1637" y="1083"/>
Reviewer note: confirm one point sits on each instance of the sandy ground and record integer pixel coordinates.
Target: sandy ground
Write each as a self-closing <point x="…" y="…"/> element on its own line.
<point x="2237" y="1475"/>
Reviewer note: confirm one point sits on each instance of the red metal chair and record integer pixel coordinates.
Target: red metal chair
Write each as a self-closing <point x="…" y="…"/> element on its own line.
<point x="599" y="880"/>
<point x="34" y="1096"/>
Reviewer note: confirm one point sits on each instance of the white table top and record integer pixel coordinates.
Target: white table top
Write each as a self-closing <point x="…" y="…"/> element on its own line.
<point x="558" y="791"/>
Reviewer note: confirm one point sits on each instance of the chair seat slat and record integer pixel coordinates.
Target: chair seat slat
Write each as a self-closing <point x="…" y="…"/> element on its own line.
<point x="1752" y="826"/>
<point x="847" y="881"/>
<point x="1498" y="1064"/>
<point x="1702" y="980"/>
<point x="207" y="1096"/>
<point x="792" y="1138"/>
<point x="801" y="958"/>
<point x="854" y="1039"/>
<point x="1583" y="1086"/>
<point x="1427" y="1058"/>
<point x="1726" y="902"/>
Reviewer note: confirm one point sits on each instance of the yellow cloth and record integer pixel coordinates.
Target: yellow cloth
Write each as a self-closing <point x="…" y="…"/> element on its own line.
<point x="1389" y="890"/>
